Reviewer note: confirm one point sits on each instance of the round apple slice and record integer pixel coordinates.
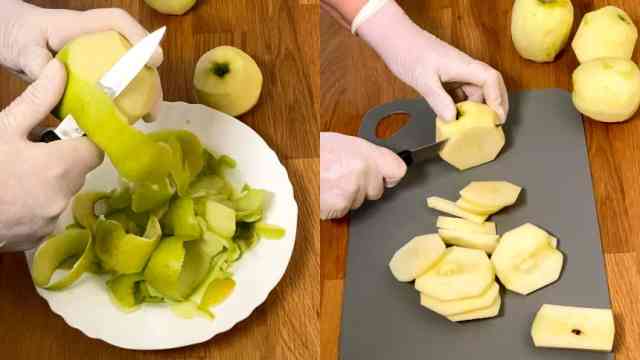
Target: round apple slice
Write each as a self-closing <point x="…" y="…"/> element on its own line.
<point x="416" y="257"/>
<point x="491" y="193"/>
<point x="485" y="313"/>
<point x="525" y="261"/>
<point x="454" y="307"/>
<point x="461" y="273"/>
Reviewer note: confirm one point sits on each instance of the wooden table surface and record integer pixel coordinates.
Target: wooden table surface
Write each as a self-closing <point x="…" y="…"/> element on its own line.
<point x="354" y="79"/>
<point x="283" y="37"/>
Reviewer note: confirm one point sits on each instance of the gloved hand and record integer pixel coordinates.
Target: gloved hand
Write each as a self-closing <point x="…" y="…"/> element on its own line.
<point x="352" y="169"/>
<point x="28" y="32"/>
<point x="426" y="63"/>
<point x="38" y="180"/>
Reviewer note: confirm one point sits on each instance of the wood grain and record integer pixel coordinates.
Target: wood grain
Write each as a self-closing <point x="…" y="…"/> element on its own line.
<point x="354" y="79"/>
<point x="283" y="37"/>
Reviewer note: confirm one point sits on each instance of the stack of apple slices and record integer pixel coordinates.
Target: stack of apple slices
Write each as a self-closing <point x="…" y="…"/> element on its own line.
<point x="478" y="201"/>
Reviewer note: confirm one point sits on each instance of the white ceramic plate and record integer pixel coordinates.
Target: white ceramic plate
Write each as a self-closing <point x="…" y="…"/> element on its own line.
<point x="86" y="304"/>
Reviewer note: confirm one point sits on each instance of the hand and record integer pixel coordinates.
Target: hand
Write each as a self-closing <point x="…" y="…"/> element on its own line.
<point x="27" y="33"/>
<point x="426" y="63"/>
<point x="38" y="180"/>
<point x="352" y="169"/>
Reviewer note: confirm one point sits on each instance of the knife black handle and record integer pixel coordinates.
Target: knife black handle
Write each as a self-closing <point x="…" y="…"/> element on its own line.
<point x="48" y="135"/>
<point x="406" y="156"/>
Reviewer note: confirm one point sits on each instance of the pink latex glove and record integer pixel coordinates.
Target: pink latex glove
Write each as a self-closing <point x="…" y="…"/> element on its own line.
<point x="29" y="33"/>
<point x="425" y="62"/>
<point x="38" y="180"/>
<point x="352" y="170"/>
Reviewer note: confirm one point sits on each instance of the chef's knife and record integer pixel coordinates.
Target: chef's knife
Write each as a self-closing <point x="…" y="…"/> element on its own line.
<point x="113" y="82"/>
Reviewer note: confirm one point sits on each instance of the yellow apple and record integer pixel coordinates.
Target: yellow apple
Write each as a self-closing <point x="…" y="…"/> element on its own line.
<point x="606" y="32"/>
<point x="607" y="89"/>
<point x="540" y="28"/>
<point x="171" y="7"/>
<point x="228" y="79"/>
<point x="473" y="138"/>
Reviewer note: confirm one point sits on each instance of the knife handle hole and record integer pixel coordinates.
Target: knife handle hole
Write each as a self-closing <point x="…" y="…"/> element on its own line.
<point x="388" y="126"/>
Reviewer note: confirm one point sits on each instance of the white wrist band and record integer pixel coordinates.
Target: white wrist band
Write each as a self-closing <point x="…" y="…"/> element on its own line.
<point x="366" y="12"/>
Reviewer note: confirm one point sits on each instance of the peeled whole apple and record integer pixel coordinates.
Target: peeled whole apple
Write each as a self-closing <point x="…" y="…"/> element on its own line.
<point x="606" y="32"/>
<point x="473" y="138"/>
<point x="607" y="89"/>
<point x="227" y="79"/>
<point x="171" y="7"/>
<point x="540" y="28"/>
<point x="90" y="56"/>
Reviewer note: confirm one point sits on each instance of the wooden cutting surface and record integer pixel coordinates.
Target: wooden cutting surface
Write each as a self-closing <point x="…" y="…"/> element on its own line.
<point x="283" y="37"/>
<point x="354" y="79"/>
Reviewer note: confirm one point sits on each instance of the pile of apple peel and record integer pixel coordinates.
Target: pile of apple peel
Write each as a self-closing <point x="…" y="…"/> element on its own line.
<point x="459" y="282"/>
<point x="172" y="240"/>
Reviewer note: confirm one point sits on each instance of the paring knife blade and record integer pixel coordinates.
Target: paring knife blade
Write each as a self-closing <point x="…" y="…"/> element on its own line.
<point x="113" y="82"/>
<point x="421" y="153"/>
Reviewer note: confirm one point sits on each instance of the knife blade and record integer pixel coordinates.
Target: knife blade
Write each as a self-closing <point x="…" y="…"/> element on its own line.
<point x="421" y="153"/>
<point x="113" y="82"/>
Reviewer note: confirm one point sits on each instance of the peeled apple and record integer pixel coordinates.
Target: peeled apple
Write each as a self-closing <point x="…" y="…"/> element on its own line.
<point x="607" y="32"/>
<point x="607" y="89"/>
<point x="540" y="28"/>
<point x="473" y="138"/>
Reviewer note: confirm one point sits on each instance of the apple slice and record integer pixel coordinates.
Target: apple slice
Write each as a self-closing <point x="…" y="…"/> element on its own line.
<point x="460" y="274"/>
<point x="570" y="327"/>
<point x="485" y="313"/>
<point x="449" y="207"/>
<point x="455" y="307"/>
<point x="416" y="257"/>
<point x="484" y="242"/>
<point x="477" y="208"/>
<point x="525" y="261"/>
<point x="553" y="241"/>
<point x="451" y="223"/>
<point x="491" y="193"/>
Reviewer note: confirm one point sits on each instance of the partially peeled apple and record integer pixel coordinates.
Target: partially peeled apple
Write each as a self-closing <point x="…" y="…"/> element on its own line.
<point x="106" y="121"/>
<point x="227" y="79"/>
<point x="540" y="28"/>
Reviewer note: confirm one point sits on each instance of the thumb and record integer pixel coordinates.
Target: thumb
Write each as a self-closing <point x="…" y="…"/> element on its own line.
<point x="390" y="166"/>
<point x="35" y="103"/>
<point x="81" y="152"/>
<point x="440" y="101"/>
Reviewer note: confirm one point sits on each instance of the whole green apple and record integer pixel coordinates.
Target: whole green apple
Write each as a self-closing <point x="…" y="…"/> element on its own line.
<point x="540" y="28"/>
<point x="606" y="32"/>
<point x="607" y="89"/>
<point x="227" y="79"/>
<point x="171" y="7"/>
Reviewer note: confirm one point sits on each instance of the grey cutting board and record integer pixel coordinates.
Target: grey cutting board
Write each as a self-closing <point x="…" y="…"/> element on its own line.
<point x="546" y="155"/>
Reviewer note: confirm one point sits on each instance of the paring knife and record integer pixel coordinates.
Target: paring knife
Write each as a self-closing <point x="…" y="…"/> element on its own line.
<point x="113" y="82"/>
<point x="421" y="153"/>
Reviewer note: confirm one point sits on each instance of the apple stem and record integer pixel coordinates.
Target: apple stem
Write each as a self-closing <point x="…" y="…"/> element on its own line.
<point x="576" y="332"/>
<point x="220" y="69"/>
<point x="458" y="114"/>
